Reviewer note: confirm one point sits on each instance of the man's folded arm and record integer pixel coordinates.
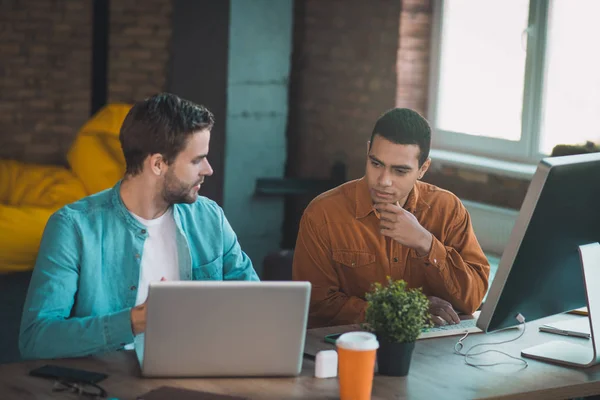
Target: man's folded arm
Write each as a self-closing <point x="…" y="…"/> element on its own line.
<point x="47" y="328"/>
<point x="313" y="263"/>
<point x="458" y="270"/>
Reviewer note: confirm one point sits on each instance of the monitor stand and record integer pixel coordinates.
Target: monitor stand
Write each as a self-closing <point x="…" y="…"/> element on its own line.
<point x="576" y="355"/>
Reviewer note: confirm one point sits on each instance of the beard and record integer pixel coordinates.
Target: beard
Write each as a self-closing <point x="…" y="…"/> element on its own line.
<point x="175" y="191"/>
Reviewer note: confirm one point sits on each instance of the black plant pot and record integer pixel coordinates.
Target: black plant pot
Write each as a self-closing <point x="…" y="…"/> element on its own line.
<point x="393" y="359"/>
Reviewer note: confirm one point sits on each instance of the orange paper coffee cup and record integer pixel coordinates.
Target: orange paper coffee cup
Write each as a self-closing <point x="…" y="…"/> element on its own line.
<point x="356" y="364"/>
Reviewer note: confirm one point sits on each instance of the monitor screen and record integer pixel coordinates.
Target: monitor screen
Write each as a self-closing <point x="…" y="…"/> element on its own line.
<point x="540" y="274"/>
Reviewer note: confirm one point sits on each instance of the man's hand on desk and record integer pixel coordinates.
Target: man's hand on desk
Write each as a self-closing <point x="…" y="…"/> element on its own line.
<point x="138" y="318"/>
<point x="442" y="312"/>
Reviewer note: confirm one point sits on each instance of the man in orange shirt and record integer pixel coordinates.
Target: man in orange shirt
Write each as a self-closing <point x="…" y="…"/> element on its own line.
<point x="389" y="223"/>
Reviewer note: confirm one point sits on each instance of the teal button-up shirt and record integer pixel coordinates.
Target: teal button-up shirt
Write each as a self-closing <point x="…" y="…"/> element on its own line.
<point x="85" y="279"/>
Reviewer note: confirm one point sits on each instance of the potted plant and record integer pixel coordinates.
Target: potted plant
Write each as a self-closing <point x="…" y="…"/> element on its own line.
<point x="397" y="316"/>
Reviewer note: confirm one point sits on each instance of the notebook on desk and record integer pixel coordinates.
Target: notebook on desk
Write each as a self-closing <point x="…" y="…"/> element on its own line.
<point x="579" y="311"/>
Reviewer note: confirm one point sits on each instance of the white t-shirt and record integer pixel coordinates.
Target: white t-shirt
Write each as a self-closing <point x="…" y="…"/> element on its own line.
<point x="159" y="257"/>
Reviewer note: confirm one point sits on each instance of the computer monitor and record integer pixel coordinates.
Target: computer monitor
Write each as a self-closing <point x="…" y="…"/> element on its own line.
<point x="540" y="273"/>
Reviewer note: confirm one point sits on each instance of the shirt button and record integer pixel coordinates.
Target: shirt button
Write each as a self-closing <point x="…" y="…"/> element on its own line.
<point x="143" y="231"/>
<point x="132" y="288"/>
<point x="137" y="255"/>
<point x="435" y="261"/>
<point x="395" y="259"/>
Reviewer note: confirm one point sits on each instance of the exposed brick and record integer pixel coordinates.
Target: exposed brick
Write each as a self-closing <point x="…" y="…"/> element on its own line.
<point x="45" y="68"/>
<point x="413" y="55"/>
<point x="39" y="38"/>
<point x="343" y="78"/>
<point x="137" y="31"/>
<point x="75" y="6"/>
<point x="139" y="38"/>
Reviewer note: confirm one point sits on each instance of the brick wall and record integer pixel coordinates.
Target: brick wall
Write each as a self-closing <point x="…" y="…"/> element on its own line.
<point x="413" y="55"/>
<point x="45" y="68"/>
<point x="343" y="77"/>
<point x="140" y="34"/>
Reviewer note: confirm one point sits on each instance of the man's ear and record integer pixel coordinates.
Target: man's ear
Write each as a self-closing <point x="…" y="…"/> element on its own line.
<point x="156" y="164"/>
<point x="424" y="167"/>
<point x="368" y="147"/>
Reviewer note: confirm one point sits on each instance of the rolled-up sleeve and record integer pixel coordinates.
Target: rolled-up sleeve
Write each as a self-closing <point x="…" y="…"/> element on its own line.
<point x="457" y="270"/>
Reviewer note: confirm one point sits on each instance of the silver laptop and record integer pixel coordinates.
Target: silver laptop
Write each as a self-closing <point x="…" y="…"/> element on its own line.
<point x="216" y="328"/>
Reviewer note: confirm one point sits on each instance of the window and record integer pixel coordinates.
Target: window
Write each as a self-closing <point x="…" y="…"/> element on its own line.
<point x="513" y="79"/>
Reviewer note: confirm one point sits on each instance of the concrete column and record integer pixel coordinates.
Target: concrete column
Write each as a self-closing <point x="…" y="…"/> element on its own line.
<point x="260" y="45"/>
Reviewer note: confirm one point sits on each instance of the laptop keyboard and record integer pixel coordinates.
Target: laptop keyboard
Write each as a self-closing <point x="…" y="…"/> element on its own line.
<point x="464" y="324"/>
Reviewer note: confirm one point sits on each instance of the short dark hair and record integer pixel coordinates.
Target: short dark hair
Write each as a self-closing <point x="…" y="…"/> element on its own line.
<point x="405" y="126"/>
<point x="160" y="124"/>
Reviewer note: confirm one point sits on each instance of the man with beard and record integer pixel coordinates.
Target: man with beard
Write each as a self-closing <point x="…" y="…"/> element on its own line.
<point x="98" y="255"/>
<point x="389" y="223"/>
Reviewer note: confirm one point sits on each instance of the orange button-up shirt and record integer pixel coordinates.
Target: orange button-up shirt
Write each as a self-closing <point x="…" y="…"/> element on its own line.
<point x="341" y="251"/>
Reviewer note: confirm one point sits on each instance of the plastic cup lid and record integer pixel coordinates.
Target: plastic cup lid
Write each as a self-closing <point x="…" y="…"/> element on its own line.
<point x="360" y="341"/>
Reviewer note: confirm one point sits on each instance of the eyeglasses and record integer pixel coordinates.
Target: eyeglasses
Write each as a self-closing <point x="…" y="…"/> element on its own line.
<point x="82" y="389"/>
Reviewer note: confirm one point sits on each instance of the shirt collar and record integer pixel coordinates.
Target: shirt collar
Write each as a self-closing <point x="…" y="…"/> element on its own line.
<point x="364" y="203"/>
<point x="122" y="211"/>
<point x="125" y="214"/>
<point x="412" y="199"/>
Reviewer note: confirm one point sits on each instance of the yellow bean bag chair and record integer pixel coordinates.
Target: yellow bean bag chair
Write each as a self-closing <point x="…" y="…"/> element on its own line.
<point x="96" y="157"/>
<point x="29" y="193"/>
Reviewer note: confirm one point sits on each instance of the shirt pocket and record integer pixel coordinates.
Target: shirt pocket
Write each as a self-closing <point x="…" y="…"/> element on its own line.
<point x="353" y="259"/>
<point x="212" y="271"/>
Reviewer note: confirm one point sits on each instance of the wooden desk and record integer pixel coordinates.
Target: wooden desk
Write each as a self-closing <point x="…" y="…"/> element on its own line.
<point x="435" y="373"/>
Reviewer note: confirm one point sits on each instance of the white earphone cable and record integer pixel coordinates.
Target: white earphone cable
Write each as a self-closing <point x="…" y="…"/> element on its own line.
<point x="458" y="347"/>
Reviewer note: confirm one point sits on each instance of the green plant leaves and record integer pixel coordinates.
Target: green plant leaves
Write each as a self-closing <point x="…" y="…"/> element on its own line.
<point x="395" y="313"/>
